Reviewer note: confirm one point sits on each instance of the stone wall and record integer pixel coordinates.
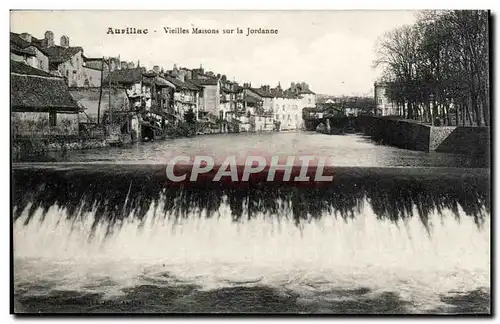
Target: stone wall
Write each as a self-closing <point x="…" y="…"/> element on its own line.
<point x="463" y="139"/>
<point x="34" y="124"/>
<point x="22" y="147"/>
<point x="402" y="134"/>
<point x="89" y="99"/>
<point x="415" y="136"/>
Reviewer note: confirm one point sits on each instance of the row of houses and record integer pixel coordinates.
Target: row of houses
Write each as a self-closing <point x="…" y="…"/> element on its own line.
<point x="110" y="90"/>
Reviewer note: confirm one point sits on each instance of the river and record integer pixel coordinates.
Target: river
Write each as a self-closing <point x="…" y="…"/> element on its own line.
<point x="399" y="232"/>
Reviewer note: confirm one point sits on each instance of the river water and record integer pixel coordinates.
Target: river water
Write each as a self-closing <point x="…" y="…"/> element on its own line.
<point x="397" y="232"/>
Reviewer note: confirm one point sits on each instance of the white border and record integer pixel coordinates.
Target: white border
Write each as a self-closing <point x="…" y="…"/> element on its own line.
<point x="190" y="5"/>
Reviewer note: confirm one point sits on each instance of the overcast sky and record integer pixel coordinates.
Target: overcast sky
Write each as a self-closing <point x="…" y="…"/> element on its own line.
<point x="333" y="51"/>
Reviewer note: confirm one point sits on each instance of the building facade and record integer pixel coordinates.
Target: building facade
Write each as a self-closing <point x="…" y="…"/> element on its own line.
<point x="24" y="48"/>
<point x="384" y="107"/>
<point x="41" y="104"/>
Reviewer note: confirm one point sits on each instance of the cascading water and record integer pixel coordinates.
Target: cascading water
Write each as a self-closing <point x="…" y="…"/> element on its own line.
<point x="367" y="244"/>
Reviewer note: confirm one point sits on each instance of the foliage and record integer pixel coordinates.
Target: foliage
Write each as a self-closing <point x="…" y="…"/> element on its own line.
<point x="438" y="68"/>
<point x="190" y="117"/>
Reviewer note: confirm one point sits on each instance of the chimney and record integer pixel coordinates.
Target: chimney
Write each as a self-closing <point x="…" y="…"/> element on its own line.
<point x="26" y="37"/>
<point x="181" y="75"/>
<point x="49" y="38"/>
<point x="64" y="41"/>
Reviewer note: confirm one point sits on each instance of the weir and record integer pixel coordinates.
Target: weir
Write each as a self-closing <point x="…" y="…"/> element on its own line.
<point x="374" y="238"/>
<point x="116" y="190"/>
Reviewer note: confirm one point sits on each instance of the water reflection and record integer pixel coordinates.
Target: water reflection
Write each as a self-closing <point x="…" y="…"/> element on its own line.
<point x="394" y="194"/>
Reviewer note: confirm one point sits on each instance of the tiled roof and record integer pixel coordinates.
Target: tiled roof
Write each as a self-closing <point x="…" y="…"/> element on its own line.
<point x="182" y="85"/>
<point x="287" y="94"/>
<point x="19" y="44"/>
<point x="262" y="92"/>
<point x="136" y="75"/>
<point x="125" y="76"/>
<point x="209" y="81"/>
<point x="21" y="51"/>
<point x="35" y="90"/>
<point x="22" y="68"/>
<point x="18" y="41"/>
<point x="56" y="54"/>
<point x="59" y="54"/>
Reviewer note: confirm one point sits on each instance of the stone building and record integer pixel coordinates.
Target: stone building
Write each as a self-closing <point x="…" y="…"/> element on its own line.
<point x="384" y="107"/>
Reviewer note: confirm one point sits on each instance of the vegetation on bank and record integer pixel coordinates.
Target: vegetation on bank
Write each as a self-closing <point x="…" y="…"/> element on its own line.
<point x="437" y="70"/>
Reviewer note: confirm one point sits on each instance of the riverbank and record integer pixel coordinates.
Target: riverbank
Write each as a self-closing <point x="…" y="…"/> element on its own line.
<point x="417" y="136"/>
<point x="36" y="146"/>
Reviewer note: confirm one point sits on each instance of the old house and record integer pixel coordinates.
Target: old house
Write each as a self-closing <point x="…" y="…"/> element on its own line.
<point x="98" y="68"/>
<point x="187" y="93"/>
<point x="150" y="96"/>
<point x="41" y="104"/>
<point x="64" y="60"/>
<point x="209" y="97"/>
<point x="227" y="98"/>
<point x="27" y="49"/>
<point x="287" y="110"/>
<point x="307" y="96"/>
<point x="185" y="96"/>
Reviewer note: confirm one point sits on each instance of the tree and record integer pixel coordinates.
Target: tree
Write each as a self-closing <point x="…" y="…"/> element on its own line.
<point x="438" y="66"/>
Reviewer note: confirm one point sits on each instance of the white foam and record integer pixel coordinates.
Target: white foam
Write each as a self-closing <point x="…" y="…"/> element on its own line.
<point x="325" y="255"/>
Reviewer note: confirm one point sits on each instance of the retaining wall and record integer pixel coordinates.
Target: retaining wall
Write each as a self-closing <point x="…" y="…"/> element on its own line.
<point x="415" y="136"/>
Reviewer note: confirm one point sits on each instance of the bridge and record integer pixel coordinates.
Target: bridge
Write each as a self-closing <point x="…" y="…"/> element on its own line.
<point x="332" y="121"/>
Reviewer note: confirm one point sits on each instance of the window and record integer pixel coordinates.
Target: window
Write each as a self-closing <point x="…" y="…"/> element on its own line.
<point x="310" y="100"/>
<point x="283" y="107"/>
<point x="277" y="116"/>
<point x="52" y="119"/>
<point x="380" y="100"/>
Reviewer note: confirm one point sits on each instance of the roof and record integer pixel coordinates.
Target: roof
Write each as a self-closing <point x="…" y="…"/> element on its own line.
<point x="278" y="93"/>
<point x="251" y="99"/>
<point x="306" y="91"/>
<point x="90" y="59"/>
<point x="21" y="51"/>
<point x="125" y="76"/>
<point x="58" y="54"/>
<point x="162" y="82"/>
<point x="35" y="90"/>
<point x="18" y="44"/>
<point x="209" y="81"/>
<point x="182" y="85"/>
<point x="261" y="92"/>
<point x="135" y="75"/>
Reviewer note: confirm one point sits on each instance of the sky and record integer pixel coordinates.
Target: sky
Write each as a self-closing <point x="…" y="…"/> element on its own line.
<point x="333" y="51"/>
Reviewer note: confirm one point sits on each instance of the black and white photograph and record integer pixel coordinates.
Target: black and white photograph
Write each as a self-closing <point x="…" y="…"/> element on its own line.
<point x="223" y="162"/>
